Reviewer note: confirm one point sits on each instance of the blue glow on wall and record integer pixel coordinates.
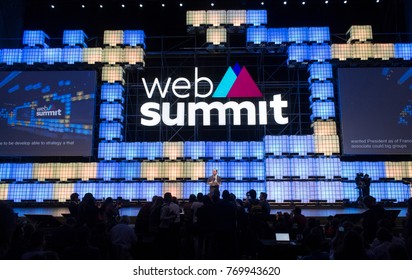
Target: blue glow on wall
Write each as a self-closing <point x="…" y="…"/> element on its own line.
<point x="74" y="38"/>
<point x="194" y="150"/>
<point x="112" y="92"/>
<point x="298" y="35"/>
<point x="111" y="111"/>
<point x="238" y="150"/>
<point x="256" y="17"/>
<point x="152" y="150"/>
<point x="134" y="38"/>
<point x="194" y="188"/>
<point x="72" y="55"/>
<point x="256" y="35"/>
<point x="129" y="170"/>
<point x="323" y="110"/>
<point x="221" y="166"/>
<point x="52" y="56"/>
<point x="322" y="91"/>
<point x="11" y="56"/>
<point x="403" y="51"/>
<point x="320" y="71"/>
<point x="320" y="53"/>
<point x="33" y="38"/>
<point x="110" y="131"/>
<point x="216" y="150"/>
<point x="130" y="150"/>
<point x="298" y="53"/>
<point x="319" y="34"/>
<point x="31" y="56"/>
<point x="277" y="36"/>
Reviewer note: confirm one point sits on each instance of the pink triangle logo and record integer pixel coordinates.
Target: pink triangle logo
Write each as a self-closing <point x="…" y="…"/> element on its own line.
<point x="244" y="86"/>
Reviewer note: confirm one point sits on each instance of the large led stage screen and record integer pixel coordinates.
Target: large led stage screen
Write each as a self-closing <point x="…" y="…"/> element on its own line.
<point x="47" y="113"/>
<point x="376" y="110"/>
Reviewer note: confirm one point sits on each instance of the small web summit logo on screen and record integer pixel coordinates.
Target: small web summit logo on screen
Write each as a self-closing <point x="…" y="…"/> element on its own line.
<point x="237" y="83"/>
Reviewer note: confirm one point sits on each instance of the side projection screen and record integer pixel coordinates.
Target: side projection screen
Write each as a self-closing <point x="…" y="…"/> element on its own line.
<point x="47" y="113"/>
<point x="376" y="110"/>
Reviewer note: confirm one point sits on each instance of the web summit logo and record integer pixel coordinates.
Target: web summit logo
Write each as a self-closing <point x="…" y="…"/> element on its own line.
<point x="236" y="83"/>
<point x="48" y="112"/>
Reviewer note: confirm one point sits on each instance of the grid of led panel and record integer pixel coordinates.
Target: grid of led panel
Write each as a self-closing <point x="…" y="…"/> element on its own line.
<point x="322" y="91"/>
<point x="216" y="17"/>
<point x="403" y="51"/>
<point x="236" y="17"/>
<point x="194" y="188"/>
<point x="301" y="144"/>
<point x="324" y="127"/>
<point x="52" y="56"/>
<point x="256" y="17"/>
<point x="152" y="170"/>
<point x="398" y="170"/>
<point x="350" y="169"/>
<point x="173" y="170"/>
<point x="134" y="38"/>
<point x="276" y="145"/>
<point x="278" y="168"/>
<point x="298" y="35"/>
<point x="131" y="190"/>
<point x="238" y="170"/>
<point x="86" y="171"/>
<point x="279" y="191"/>
<point x="113" y="38"/>
<point x="74" y="38"/>
<point x="195" y="18"/>
<point x="108" y="170"/>
<point x="256" y="149"/>
<point x="21" y="171"/>
<point x="195" y="150"/>
<point x="194" y="170"/>
<point x="110" y="131"/>
<point x="277" y="36"/>
<point x="129" y="170"/>
<point x="320" y="53"/>
<point x="112" y="92"/>
<point x="303" y="191"/>
<point x="31" y="56"/>
<point x="221" y="167"/>
<point x="216" y="150"/>
<point x="62" y="192"/>
<point x="360" y="33"/>
<point x="327" y="144"/>
<point x="113" y="55"/>
<point x="112" y="74"/>
<point x="362" y="51"/>
<point x="238" y="150"/>
<point x="69" y="171"/>
<point x="257" y="170"/>
<point x="108" y="151"/>
<point x="302" y="168"/>
<point x="341" y="51"/>
<point x="319" y="34"/>
<point x="134" y="56"/>
<point x="33" y="38"/>
<point x="375" y="170"/>
<point x="72" y="55"/>
<point x="11" y="56"/>
<point x="349" y="191"/>
<point x="152" y="150"/>
<point x="256" y="35"/>
<point x="175" y="188"/>
<point x="111" y="111"/>
<point x="329" y="191"/>
<point x="150" y="189"/>
<point x="216" y="35"/>
<point x="173" y="150"/>
<point x="130" y="150"/>
<point x="323" y="110"/>
<point x="384" y="51"/>
<point x="92" y="55"/>
<point x="327" y="167"/>
<point x="320" y="71"/>
<point x="298" y="53"/>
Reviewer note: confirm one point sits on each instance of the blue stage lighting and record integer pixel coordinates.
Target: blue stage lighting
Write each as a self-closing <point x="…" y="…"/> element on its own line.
<point x="320" y="71"/>
<point x="322" y="91"/>
<point x="403" y="51"/>
<point x="298" y="35"/>
<point x="319" y="34"/>
<point x="134" y="38"/>
<point x="194" y="150"/>
<point x="31" y="56"/>
<point x="323" y="110"/>
<point x="256" y="35"/>
<point x="320" y="53"/>
<point x="111" y="131"/>
<point x="74" y="38"/>
<point x="112" y="92"/>
<point x="111" y="111"/>
<point x="72" y="55"/>
<point x="298" y="53"/>
<point x="11" y="56"/>
<point x="277" y="36"/>
<point x="52" y="56"/>
<point x="256" y="17"/>
<point x="35" y="38"/>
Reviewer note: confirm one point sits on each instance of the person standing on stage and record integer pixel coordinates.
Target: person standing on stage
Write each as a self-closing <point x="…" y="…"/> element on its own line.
<point x="214" y="181"/>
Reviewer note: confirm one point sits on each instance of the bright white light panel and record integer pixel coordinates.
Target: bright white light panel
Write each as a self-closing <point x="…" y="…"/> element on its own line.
<point x="329" y="191"/>
<point x="278" y="168"/>
<point x="341" y="51"/>
<point x="276" y="145"/>
<point x="256" y="17"/>
<point x="302" y="168"/>
<point x="133" y="56"/>
<point x="113" y="38"/>
<point x="194" y="170"/>
<point x="320" y="71"/>
<point x="173" y="150"/>
<point x="256" y="35"/>
<point x="319" y="34"/>
<point x="256" y="149"/>
<point x="74" y="38"/>
<point x="327" y="144"/>
<point x="216" y="35"/>
<point x="298" y="35"/>
<point x="112" y="92"/>
<point x="257" y="170"/>
<point x="92" y="55"/>
<point x="360" y="33"/>
<point x="328" y="167"/>
<point x="175" y="188"/>
<point x="216" y="17"/>
<point x="112" y="74"/>
<point x="279" y="191"/>
<point x="196" y="18"/>
<point x="134" y="38"/>
<point x="324" y="127"/>
<point x="277" y="36"/>
<point x="384" y="51"/>
<point x="236" y="17"/>
<point x="113" y="55"/>
<point x="35" y="38"/>
<point x="362" y="51"/>
<point x="111" y="111"/>
<point x="301" y="144"/>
